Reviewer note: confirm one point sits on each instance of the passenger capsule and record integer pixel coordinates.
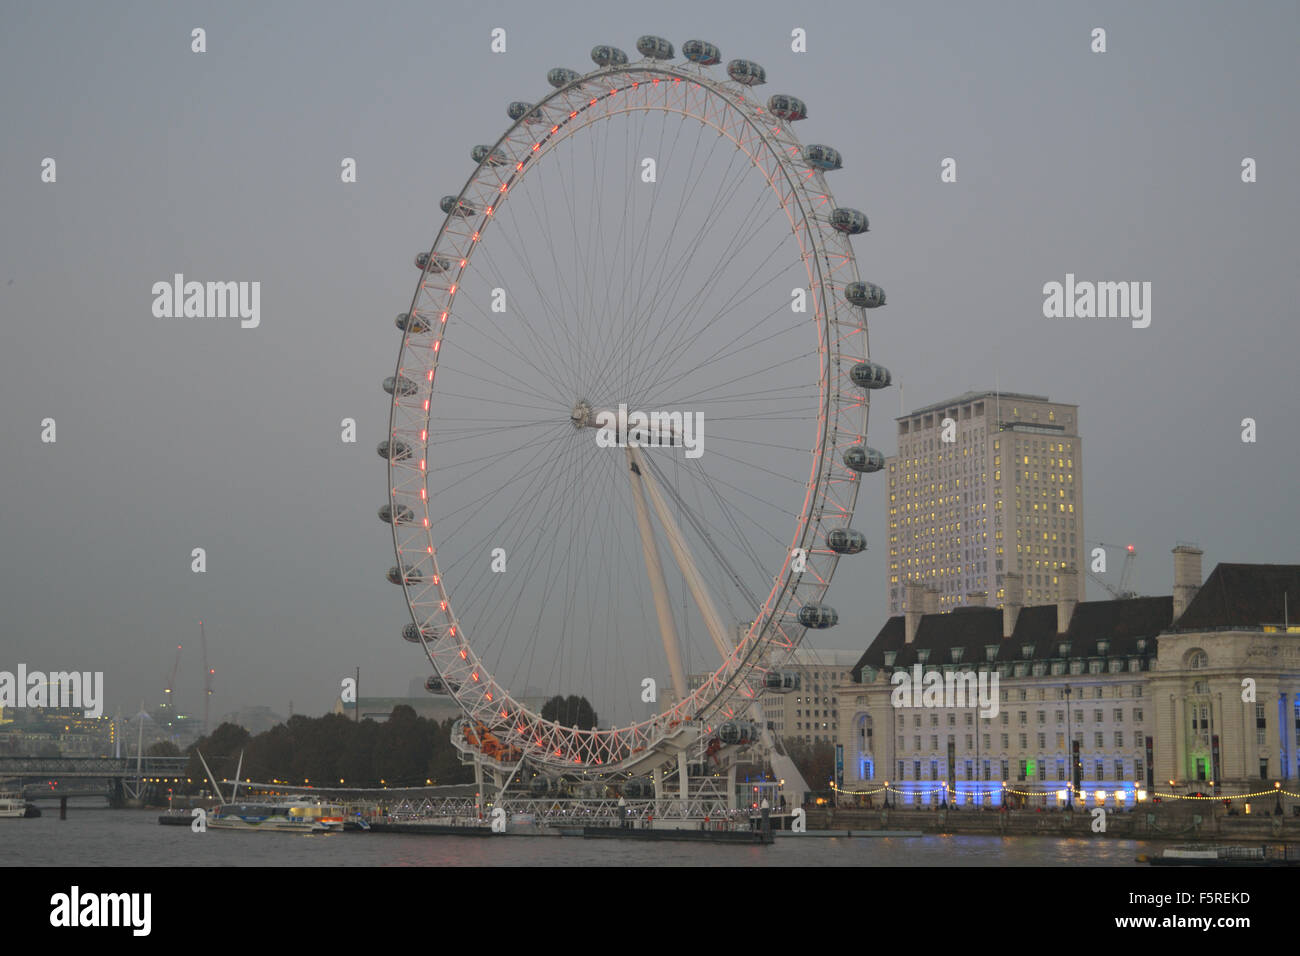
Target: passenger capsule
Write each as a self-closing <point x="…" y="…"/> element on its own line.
<point x="822" y="157"/>
<point x="413" y="575"/>
<point x="404" y="515"/>
<point x="436" y="685"/>
<point x="870" y="375"/>
<point x="818" y="616"/>
<point x="433" y="264"/>
<point x="849" y="221"/>
<point x="863" y="294"/>
<point x="782" y="682"/>
<point x="562" y="76"/>
<point x="396" y="450"/>
<point x="411" y="322"/>
<point x="846" y="541"/>
<point x="412" y="633"/>
<point x="656" y="48"/>
<point x="524" y="111"/>
<point x="863" y="459"/>
<point x="400" y="385"/>
<point x="701" y="52"/>
<point x="464" y="209"/>
<point x="746" y="72"/>
<point x="789" y="108"/>
<point x="608" y="56"/>
<point x="486" y="154"/>
<point x="738" y="732"/>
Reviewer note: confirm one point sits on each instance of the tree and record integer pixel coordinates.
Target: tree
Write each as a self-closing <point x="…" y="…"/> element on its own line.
<point x="163" y="748"/>
<point x="816" y="761"/>
<point x="571" y="711"/>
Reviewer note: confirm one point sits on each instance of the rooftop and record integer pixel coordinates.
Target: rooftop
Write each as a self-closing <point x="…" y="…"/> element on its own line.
<point x="975" y="396"/>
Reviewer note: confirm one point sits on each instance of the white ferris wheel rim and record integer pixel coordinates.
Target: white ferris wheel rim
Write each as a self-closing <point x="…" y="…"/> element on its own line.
<point x="842" y="419"/>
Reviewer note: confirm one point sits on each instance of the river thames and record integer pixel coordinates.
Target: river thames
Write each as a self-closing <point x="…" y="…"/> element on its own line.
<point x="99" y="837"/>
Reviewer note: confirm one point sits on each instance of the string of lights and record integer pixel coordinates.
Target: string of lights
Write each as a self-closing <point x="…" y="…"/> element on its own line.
<point x="1060" y="794"/>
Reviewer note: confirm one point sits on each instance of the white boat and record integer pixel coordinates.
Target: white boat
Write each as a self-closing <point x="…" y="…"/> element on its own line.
<point x="13" y="805"/>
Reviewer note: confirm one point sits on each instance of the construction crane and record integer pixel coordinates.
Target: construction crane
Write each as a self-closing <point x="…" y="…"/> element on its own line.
<point x="1127" y="576"/>
<point x="169" y="700"/>
<point x="208" y="675"/>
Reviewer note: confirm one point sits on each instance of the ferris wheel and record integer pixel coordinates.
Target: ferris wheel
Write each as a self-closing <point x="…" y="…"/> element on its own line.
<point x="629" y="413"/>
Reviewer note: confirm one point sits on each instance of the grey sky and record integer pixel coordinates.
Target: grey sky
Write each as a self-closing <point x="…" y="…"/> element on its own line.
<point x="175" y="434"/>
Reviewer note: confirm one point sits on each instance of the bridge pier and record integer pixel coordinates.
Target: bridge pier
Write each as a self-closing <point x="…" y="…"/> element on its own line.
<point x="63" y="808"/>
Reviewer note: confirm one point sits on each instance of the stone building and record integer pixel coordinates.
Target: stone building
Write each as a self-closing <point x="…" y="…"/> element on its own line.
<point x="1109" y="699"/>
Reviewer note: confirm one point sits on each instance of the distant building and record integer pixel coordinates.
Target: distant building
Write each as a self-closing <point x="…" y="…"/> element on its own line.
<point x="437" y="707"/>
<point x="1143" y="694"/>
<point x="1004" y="496"/>
<point x="812" y="712"/>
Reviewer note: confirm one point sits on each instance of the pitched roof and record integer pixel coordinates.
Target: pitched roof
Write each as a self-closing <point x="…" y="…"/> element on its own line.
<point x="1244" y="595"/>
<point x="1119" y="622"/>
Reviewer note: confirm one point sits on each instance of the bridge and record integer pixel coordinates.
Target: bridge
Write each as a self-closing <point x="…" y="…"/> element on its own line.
<point x="115" y="778"/>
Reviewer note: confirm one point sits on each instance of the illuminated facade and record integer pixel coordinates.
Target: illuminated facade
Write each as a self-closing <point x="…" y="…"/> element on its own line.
<point x="1144" y="694"/>
<point x="1003" y="495"/>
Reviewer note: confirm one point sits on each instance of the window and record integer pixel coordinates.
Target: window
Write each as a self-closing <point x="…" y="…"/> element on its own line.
<point x="1119" y="739"/>
<point x="1023" y="718"/>
<point x="1137" y="716"/>
<point x="1098" y="716"/>
<point x="1005" y="741"/>
<point x="1024" y="742"/>
<point x="1119" y="715"/>
<point x="1097" y="738"/>
<point x="1119" y="770"/>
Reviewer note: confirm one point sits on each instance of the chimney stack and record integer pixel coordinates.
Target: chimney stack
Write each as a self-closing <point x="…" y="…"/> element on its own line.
<point x="913" y="608"/>
<point x="977" y="599"/>
<point x="1014" y="585"/>
<point x="1068" y="598"/>
<point x="1187" y="576"/>
<point x="931" y="601"/>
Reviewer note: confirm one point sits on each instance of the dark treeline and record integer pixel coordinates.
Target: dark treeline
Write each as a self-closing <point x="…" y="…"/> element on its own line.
<point x="404" y="750"/>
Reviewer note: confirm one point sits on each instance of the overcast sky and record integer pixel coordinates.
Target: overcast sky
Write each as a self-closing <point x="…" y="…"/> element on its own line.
<point x="175" y="434"/>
